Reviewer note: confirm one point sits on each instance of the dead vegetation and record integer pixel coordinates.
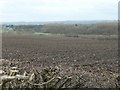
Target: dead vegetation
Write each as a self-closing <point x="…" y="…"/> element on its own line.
<point x="53" y="77"/>
<point x="48" y="78"/>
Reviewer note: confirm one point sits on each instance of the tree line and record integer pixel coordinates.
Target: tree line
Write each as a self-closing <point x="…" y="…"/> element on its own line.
<point x="67" y="29"/>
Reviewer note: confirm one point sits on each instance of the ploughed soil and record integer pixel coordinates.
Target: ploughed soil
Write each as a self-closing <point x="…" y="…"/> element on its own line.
<point x="96" y="60"/>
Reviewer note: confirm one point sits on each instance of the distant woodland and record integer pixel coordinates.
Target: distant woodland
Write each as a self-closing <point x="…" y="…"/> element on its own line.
<point x="66" y="29"/>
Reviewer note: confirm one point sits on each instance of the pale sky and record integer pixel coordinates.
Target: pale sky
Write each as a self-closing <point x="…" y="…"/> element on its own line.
<point x="57" y="10"/>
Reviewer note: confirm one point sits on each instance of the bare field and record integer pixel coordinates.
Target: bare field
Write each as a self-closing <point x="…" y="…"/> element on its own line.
<point x="76" y="55"/>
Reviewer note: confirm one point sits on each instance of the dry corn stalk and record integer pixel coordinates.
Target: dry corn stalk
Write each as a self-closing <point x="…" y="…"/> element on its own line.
<point x="50" y="78"/>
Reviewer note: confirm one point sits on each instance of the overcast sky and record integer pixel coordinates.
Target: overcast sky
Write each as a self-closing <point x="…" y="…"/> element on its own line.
<point x="58" y="10"/>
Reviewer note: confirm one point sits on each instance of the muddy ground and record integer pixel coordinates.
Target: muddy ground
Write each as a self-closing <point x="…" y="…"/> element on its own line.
<point x="95" y="59"/>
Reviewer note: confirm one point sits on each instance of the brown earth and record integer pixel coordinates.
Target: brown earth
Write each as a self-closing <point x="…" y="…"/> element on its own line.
<point x="92" y="56"/>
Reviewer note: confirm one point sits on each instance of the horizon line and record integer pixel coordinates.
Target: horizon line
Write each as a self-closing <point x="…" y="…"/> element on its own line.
<point x="56" y="21"/>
